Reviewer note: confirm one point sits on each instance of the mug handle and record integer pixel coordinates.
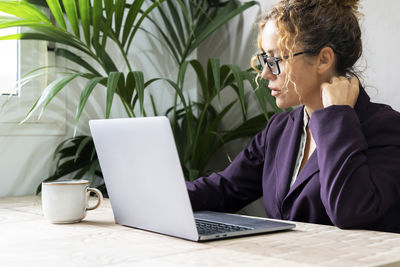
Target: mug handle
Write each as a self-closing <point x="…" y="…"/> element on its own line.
<point x="99" y="197"/>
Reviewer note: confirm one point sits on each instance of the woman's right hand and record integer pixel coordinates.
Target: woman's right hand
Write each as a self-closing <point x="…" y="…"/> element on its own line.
<point x="340" y="91"/>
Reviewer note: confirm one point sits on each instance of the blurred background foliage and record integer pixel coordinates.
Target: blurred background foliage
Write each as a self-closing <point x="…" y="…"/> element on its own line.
<point x="85" y="28"/>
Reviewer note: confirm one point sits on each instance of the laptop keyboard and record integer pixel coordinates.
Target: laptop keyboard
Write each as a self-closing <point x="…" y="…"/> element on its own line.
<point x="209" y="228"/>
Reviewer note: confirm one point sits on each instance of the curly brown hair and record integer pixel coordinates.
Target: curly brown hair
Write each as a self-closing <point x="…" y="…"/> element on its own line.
<point x="314" y="24"/>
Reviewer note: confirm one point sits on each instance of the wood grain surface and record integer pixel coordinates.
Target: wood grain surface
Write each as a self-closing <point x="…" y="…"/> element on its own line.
<point x="27" y="239"/>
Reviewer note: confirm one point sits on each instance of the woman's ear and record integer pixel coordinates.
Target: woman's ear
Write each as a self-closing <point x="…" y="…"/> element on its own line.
<point x="326" y="60"/>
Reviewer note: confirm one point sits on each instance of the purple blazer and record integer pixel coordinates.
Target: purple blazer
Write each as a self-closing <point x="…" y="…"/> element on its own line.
<point x="352" y="179"/>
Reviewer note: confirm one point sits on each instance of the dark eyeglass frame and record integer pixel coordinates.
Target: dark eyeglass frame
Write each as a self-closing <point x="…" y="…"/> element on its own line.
<point x="273" y="62"/>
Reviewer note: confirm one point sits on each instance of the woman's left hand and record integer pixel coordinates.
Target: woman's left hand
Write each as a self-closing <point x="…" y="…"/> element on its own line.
<point x="340" y="91"/>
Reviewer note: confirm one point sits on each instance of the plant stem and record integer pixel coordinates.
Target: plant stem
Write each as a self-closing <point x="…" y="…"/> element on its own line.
<point x="203" y="113"/>
<point x="128" y="110"/>
<point x="174" y="120"/>
<point x="122" y="50"/>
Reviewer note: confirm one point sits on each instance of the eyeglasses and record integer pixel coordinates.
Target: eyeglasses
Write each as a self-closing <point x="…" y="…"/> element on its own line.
<point x="273" y="62"/>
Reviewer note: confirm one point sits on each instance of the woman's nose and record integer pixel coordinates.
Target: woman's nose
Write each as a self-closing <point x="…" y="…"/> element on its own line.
<point x="267" y="74"/>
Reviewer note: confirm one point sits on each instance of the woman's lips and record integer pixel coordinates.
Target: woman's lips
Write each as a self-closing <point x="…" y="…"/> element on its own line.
<point x="274" y="92"/>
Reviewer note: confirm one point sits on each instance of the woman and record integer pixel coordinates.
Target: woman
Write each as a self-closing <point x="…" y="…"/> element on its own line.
<point x="336" y="158"/>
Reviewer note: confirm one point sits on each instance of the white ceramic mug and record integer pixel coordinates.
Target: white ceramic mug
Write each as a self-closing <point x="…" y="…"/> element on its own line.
<point x="67" y="201"/>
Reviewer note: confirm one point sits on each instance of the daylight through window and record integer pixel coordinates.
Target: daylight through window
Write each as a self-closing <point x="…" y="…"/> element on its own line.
<point x="9" y="62"/>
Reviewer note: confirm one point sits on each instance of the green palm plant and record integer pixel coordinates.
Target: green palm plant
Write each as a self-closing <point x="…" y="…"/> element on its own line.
<point x="90" y="31"/>
<point x="77" y="155"/>
<point x="197" y="125"/>
<point x="86" y="28"/>
<point x="187" y="23"/>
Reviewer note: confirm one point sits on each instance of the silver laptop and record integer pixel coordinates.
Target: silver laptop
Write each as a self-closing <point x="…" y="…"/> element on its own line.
<point x="146" y="186"/>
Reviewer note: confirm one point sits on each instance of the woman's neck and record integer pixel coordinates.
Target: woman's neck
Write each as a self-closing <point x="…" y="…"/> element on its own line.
<point x="311" y="107"/>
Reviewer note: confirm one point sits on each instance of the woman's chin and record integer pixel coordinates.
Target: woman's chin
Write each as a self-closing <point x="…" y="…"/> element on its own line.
<point x="282" y="104"/>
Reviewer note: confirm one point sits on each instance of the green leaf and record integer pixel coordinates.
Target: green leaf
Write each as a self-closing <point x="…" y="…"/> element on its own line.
<point x="33" y="74"/>
<point x="84" y="12"/>
<point x="182" y="73"/>
<point x="201" y="76"/>
<point x="68" y="167"/>
<point x="112" y="83"/>
<point x="204" y="142"/>
<point x="14" y="22"/>
<point x="169" y="28"/>
<point x="38" y="3"/>
<point x="130" y="85"/>
<point x="130" y="19"/>
<point x="72" y="14"/>
<point x="106" y="24"/>
<point x="76" y="59"/>
<point x="171" y="47"/>
<point x="215" y="70"/>
<point x="75" y="156"/>
<point x="153" y="104"/>
<point x="48" y="34"/>
<point x="65" y="153"/>
<point x="119" y="15"/>
<point x="238" y="78"/>
<point x="193" y="174"/>
<point x="54" y="90"/>
<point x="86" y="92"/>
<point x="227" y="13"/>
<point x="109" y="9"/>
<point x="139" y="22"/>
<point x="87" y="140"/>
<point x="94" y="166"/>
<point x="213" y="126"/>
<point x="23" y="10"/>
<point x="151" y="81"/>
<point x="61" y="36"/>
<point x="260" y="92"/>
<point x="139" y="81"/>
<point x="177" y="20"/>
<point x="198" y="130"/>
<point x="96" y="18"/>
<point x="60" y="146"/>
<point x="93" y="155"/>
<point x="108" y="62"/>
<point x="49" y="92"/>
<point x="56" y="10"/>
<point x="178" y="91"/>
<point x="247" y="129"/>
<point x="81" y="172"/>
<point x="184" y="9"/>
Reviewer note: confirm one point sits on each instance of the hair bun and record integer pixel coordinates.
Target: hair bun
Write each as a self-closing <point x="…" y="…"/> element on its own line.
<point x="353" y="4"/>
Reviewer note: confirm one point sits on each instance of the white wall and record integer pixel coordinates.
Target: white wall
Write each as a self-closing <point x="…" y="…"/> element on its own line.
<point x="26" y="159"/>
<point x="381" y="57"/>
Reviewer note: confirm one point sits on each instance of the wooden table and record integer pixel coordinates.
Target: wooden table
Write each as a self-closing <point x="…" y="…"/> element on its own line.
<point x="27" y="239"/>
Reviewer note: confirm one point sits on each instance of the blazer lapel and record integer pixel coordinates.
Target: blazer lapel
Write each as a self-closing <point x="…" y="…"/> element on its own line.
<point x="286" y="153"/>
<point x="310" y="168"/>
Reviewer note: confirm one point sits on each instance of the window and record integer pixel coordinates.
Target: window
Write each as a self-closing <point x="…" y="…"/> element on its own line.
<point x="9" y="65"/>
<point x="18" y="58"/>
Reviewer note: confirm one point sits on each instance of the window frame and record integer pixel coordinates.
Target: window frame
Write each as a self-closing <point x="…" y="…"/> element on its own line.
<point x="13" y="108"/>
